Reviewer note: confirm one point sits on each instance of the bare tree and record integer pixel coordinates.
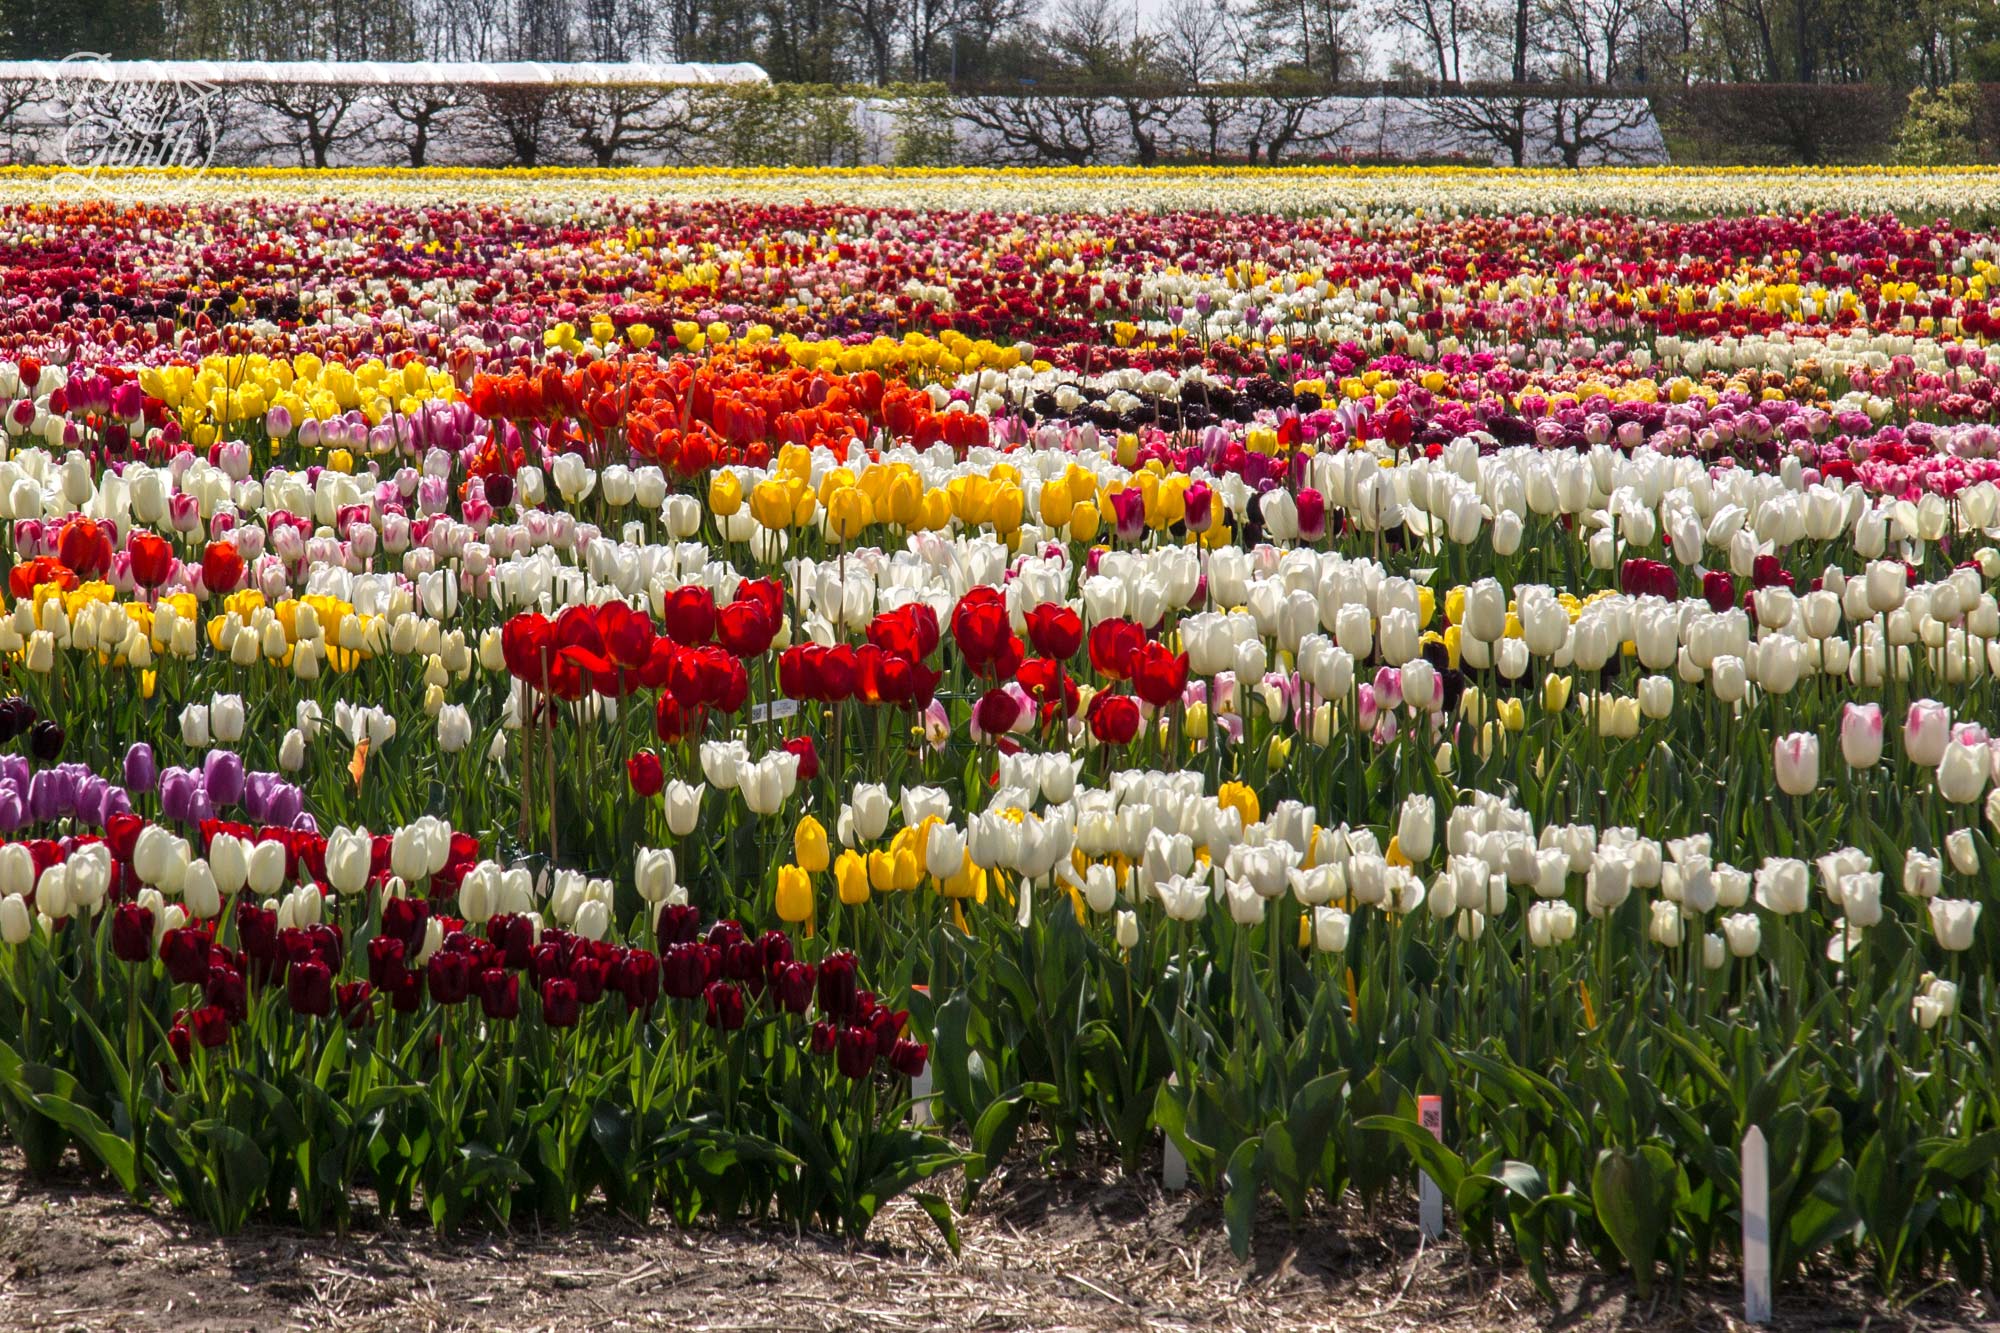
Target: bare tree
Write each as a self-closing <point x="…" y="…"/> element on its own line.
<point x="1073" y="131"/>
<point x="1196" y="42"/>
<point x="1441" y="27"/>
<point x="316" y="113"/>
<point x="1284" y="119"/>
<point x="1486" y="123"/>
<point x="877" y="23"/>
<point x="421" y="109"/>
<point x="1588" y="41"/>
<point x="611" y="121"/>
<point x="516" y="118"/>
<point x="1593" y="131"/>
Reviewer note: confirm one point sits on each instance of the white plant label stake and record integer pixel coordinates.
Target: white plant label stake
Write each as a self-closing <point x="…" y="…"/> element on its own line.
<point x="920" y="1097"/>
<point x="1430" y="1199"/>
<point x="1173" y="1166"/>
<point x="1756" y="1228"/>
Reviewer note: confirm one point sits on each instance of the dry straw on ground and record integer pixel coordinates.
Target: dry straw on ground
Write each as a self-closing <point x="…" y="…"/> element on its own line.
<point x="1042" y="1251"/>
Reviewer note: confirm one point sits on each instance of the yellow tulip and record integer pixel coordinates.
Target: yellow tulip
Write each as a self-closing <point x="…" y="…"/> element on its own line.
<point x="771" y="504"/>
<point x="1083" y="523"/>
<point x="848" y="513"/>
<point x="1555" y="693"/>
<point x="850" y="874"/>
<point x="795" y="895"/>
<point x="1055" y="504"/>
<point x="1237" y="796"/>
<point x="725" y="494"/>
<point x="882" y="871"/>
<point x="809" y="846"/>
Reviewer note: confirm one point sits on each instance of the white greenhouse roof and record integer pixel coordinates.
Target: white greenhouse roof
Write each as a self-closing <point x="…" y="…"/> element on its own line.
<point x="371" y="72"/>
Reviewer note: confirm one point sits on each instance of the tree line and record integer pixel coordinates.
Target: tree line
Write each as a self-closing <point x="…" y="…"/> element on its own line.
<point x="1029" y="44"/>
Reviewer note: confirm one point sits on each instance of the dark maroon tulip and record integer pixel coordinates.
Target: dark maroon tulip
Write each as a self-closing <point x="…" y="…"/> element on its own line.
<point x="908" y="1057"/>
<point x="639" y="980"/>
<point x="186" y="952"/>
<point x="792" y="986"/>
<point x="386" y="956"/>
<point x="309" y="987"/>
<point x="839" y="985"/>
<point x="725" y="1005"/>
<point x="560" y="1006"/>
<point x="357" y="1003"/>
<point x="500" y="994"/>
<point x="449" y="977"/>
<point x="132" y="933"/>
<point x="854" y="1051"/>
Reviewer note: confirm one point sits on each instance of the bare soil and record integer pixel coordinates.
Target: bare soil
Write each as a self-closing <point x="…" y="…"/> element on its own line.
<point x="1044" y="1251"/>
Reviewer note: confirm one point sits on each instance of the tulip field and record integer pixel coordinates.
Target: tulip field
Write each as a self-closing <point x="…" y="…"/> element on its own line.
<point x="518" y="698"/>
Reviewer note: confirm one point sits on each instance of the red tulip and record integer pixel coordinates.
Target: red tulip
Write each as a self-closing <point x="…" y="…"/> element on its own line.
<point x="908" y="1057"/>
<point x="1719" y="588"/>
<point x="639" y="980"/>
<point x="644" y="770"/>
<point x="449" y="977"/>
<point x="1055" y="630"/>
<point x="627" y="635"/>
<point x="854" y="1052"/>
<point x="185" y="951"/>
<point x="221" y="567"/>
<point x="746" y="627"/>
<point x="839" y="984"/>
<point x="673" y="723"/>
<point x="1114" y="718"/>
<point x="152" y="559"/>
<point x="909" y="631"/>
<point x="803" y="747"/>
<point x="689" y="615"/>
<point x="356" y="1001"/>
<point x="210" y="1025"/>
<point x="979" y="626"/>
<point x="527" y="642"/>
<point x="996" y="712"/>
<point x="85" y="546"/>
<point x="1158" y="675"/>
<point x="1113" y="646"/>
<point x="1051" y="688"/>
<point x="1643" y="578"/>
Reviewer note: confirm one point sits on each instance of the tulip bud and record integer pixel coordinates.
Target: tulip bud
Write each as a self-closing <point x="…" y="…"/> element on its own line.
<point x="1416" y="828"/>
<point x="1954" y="922"/>
<point x="1964" y="852"/>
<point x="1796" y="759"/>
<point x="1861" y="735"/>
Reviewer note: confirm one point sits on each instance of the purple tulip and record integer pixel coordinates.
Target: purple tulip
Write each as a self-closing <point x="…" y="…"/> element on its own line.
<point x="286" y="803"/>
<point x="222" y="777"/>
<point x="86" y="795"/>
<point x="257" y="796"/>
<point x="117" y="801"/>
<point x="45" y="795"/>
<point x="178" y="788"/>
<point x="13" y="814"/>
<point x="141" y="767"/>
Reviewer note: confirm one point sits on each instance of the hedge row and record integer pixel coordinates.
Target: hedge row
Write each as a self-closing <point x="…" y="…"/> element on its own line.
<point x="793" y="124"/>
